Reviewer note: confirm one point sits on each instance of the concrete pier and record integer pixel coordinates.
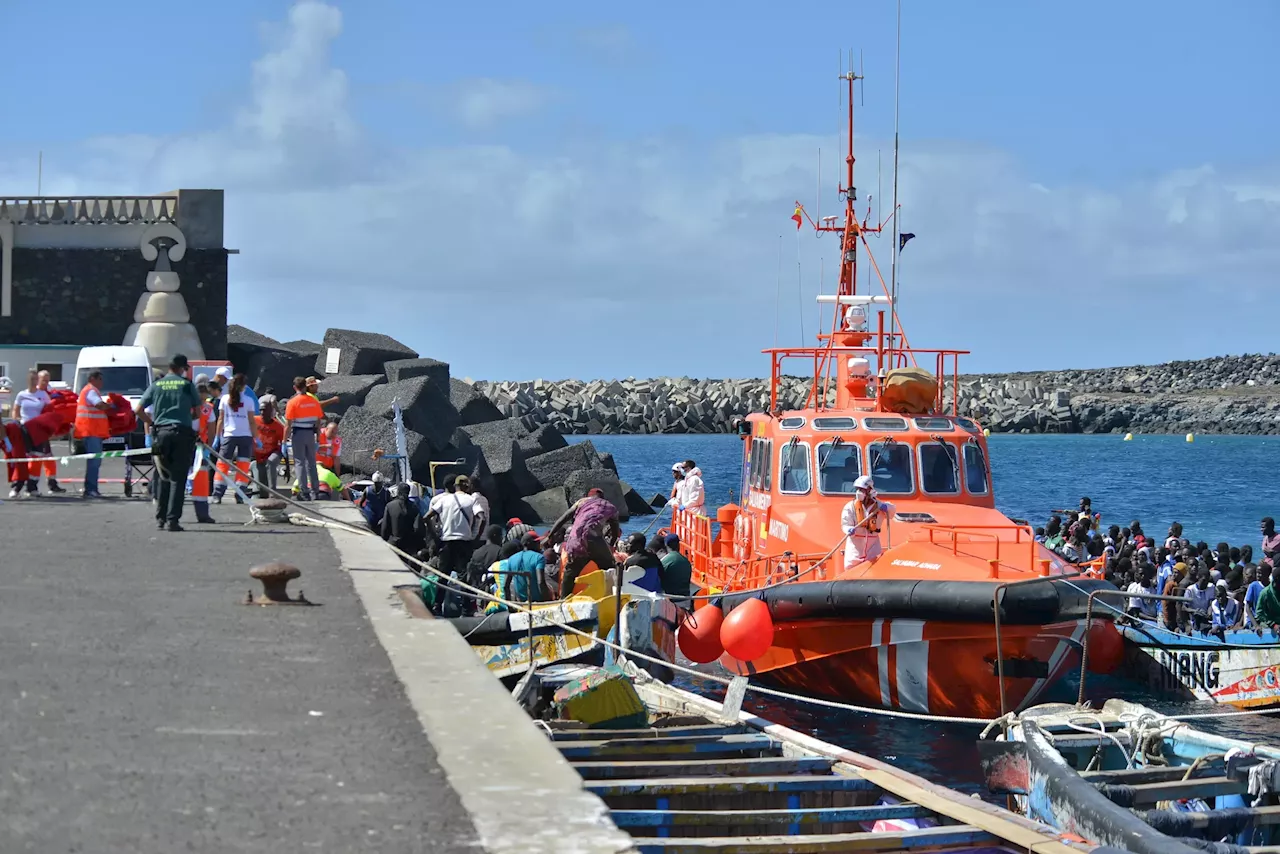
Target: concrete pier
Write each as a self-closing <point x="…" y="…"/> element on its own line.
<point x="145" y="709"/>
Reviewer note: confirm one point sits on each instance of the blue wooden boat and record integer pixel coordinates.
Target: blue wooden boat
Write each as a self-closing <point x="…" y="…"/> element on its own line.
<point x="700" y="778"/>
<point x="1241" y="669"/>
<point x="1130" y="777"/>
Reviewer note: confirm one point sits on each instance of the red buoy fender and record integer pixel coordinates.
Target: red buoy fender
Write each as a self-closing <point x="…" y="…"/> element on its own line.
<point x="699" y="634"/>
<point x="747" y="633"/>
<point x="1106" y="647"/>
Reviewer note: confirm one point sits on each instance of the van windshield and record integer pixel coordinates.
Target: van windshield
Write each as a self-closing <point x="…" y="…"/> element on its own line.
<point x="129" y="381"/>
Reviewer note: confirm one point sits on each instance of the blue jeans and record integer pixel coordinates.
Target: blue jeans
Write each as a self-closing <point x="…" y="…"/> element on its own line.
<point x="92" y="445"/>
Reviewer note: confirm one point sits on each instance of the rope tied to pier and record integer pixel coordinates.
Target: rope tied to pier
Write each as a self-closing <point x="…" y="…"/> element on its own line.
<point x="422" y="570"/>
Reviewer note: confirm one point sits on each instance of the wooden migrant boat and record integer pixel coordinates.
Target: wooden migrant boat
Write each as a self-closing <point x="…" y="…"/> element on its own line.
<point x="1241" y="669"/>
<point x="1135" y="779"/>
<point x="697" y="778"/>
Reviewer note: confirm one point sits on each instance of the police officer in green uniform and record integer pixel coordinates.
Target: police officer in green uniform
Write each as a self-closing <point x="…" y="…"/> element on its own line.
<point x="174" y="404"/>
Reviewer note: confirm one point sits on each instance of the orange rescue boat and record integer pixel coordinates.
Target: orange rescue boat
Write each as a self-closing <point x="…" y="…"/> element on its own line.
<point x="962" y="613"/>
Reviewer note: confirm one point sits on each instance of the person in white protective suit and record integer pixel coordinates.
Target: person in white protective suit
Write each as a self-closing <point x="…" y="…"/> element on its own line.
<point x="693" y="493"/>
<point x="861" y="522"/>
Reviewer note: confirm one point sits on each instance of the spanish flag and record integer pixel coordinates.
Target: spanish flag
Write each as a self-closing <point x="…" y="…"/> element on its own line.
<point x="798" y="216"/>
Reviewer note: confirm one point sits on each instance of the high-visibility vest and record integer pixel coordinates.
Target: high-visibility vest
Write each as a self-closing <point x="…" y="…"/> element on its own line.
<point x="90" y="421"/>
<point x="329" y="450"/>
<point x="304" y="406"/>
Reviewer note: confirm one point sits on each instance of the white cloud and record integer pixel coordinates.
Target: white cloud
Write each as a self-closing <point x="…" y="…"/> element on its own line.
<point x="661" y="256"/>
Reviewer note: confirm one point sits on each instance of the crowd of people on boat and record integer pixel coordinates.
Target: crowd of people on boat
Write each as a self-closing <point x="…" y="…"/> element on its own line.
<point x="1207" y="589"/>
<point x="452" y="533"/>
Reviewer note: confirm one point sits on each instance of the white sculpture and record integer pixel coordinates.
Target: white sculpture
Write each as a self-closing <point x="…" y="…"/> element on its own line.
<point x="162" y="323"/>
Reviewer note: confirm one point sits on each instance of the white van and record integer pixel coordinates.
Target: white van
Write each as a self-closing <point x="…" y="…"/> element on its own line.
<point x="126" y="371"/>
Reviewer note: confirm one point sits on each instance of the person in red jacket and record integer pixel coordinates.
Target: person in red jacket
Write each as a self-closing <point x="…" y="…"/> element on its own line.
<point x="21" y="439"/>
<point x="267" y="454"/>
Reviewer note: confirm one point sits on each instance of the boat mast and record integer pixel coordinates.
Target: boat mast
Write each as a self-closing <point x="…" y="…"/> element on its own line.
<point x="893" y="261"/>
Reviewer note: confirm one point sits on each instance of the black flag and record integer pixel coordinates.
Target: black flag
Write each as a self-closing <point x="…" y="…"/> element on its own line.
<point x="903" y="238"/>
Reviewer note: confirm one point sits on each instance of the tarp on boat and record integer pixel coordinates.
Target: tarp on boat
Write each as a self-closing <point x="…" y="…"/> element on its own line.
<point x="911" y="391"/>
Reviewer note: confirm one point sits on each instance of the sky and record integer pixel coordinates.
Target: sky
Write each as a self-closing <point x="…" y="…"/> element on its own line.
<point x="605" y="190"/>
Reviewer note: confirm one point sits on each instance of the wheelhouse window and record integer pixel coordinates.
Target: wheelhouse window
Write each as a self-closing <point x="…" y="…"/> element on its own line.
<point x="975" y="469"/>
<point x="793" y="468"/>
<point x="835" y="424"/>
<point x="894" y="424"/>
<point x="839" y="465"/>
<point x="939" y="468"/>
<point x="891" y="467"/>
<point x="935" y="425"/>
<point x="967" y="424"/>
<point x="792" y="422"/>
<point x="759" y="473"/>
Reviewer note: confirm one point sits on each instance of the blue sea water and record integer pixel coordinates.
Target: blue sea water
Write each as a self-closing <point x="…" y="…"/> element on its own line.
<point x="1218" y="487"/>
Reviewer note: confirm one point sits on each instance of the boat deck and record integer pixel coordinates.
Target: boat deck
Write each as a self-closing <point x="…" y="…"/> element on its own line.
<point x="697" y="782"/>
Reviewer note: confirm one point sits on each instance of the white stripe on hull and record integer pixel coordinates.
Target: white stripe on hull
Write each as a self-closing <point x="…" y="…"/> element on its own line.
<point x="913" y="664"/>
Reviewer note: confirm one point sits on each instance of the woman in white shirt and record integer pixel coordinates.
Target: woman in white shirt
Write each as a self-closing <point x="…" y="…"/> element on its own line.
<point x="238" y="430"/>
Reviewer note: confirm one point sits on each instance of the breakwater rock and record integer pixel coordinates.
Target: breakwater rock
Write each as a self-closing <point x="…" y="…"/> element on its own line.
<point x="1228" y="394"/>
<point x="522" y="464"/>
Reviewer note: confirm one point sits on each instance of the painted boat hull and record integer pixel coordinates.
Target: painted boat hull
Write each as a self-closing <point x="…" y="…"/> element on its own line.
<point x="1243" y="671"/>
<point x="931" y="667"/>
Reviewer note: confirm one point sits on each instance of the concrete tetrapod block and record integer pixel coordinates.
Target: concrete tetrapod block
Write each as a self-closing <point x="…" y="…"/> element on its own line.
<point x="605" y="460"/>
<point x="542" y="439"/>
<point x="305" y="347"/>
<point x="268" y="367"/>
<point x="237" y="334"/>
<point x="351" y="391"/>
<point x="542" y="507"/>
<point x="498" y="440"/>
<point x="580" y="482"/>
<point x="405" y="369"/>
<point x="362" y="432"/>
<point x="636" y="505"/>
<point x="553" y="468"/>
<point x="426" y="409"/>
<point x="360" y="352"/>
<point x="472" y="406"/>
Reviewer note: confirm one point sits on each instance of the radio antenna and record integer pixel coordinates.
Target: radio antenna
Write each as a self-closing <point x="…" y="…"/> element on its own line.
<point x="893" y="268"/>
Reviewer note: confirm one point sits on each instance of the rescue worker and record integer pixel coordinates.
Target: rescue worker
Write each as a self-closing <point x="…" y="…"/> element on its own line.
<point x="271" y="442"/>
<point x="238" y="429"/>
<point x="693" y="494"/>
<point x="27" y="405"/>
<point x="92" y="428"/>
<point x="21" y="437"/>
<point x="677" y="484"/>
<point x="588" y="529"/>
<point x="225" y="376"/>
<point x="303" y="415"/>
<point x="329" y="447"/>
<point x="201" y="477"/>
<point x="861" y="523"/>
<point x="313" y="389"/>
<point x="174" y="404"/>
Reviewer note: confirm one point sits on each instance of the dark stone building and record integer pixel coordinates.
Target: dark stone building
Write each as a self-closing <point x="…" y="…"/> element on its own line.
<point x="74" y="270"/>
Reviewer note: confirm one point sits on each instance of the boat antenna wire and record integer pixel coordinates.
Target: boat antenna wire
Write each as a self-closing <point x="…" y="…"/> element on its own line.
<point x="310" y="516"/>
<point x="893" y="262"/>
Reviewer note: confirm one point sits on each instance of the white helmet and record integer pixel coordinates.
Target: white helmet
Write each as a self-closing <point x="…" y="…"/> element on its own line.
<point x="864" y="482"/>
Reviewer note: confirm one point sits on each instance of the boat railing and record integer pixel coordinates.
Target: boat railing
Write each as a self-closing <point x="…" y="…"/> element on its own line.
<point x="694" y="531"/>
<point x="963" y="538"/>
<point x="882" y="358"/>
<point x="747" y="573"/>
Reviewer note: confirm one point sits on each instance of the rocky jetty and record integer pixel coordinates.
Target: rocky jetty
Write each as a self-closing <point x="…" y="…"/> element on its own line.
<point x="522" y="463"/>
<point x="1228" y="394"/>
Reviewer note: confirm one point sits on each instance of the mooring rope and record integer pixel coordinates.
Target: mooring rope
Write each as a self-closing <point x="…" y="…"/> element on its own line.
<point x="425" y="569"/>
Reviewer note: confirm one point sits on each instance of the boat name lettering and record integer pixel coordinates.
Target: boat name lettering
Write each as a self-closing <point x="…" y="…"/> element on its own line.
<point x="760" y="500"/>
<point x="1191" y="669"/>
<point x="916" y="563"/>
<point x="779" y="530"/>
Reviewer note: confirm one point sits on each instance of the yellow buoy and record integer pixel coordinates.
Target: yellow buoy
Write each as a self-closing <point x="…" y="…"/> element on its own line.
<point x="1128" y="437"/>
<point x="1191" y="437"/>
<point x="986" y="431"/>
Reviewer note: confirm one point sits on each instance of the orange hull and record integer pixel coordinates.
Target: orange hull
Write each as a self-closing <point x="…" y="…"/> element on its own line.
<point x="930" y="667"/>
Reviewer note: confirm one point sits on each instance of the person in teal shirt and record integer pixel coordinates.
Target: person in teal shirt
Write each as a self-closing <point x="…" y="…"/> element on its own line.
<point x="677" y="572"/>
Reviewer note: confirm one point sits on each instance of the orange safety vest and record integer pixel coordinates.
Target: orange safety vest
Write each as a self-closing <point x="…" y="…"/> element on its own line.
<point x="304" y="406"/>
<point x="328" y="450"/>
<point x="90" y="421"/>
<point x="202" y="423"/>
<point x="869" y="517"/>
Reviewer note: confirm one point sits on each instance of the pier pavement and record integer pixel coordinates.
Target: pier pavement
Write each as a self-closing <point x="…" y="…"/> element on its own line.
<point x="145" y="709"/>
